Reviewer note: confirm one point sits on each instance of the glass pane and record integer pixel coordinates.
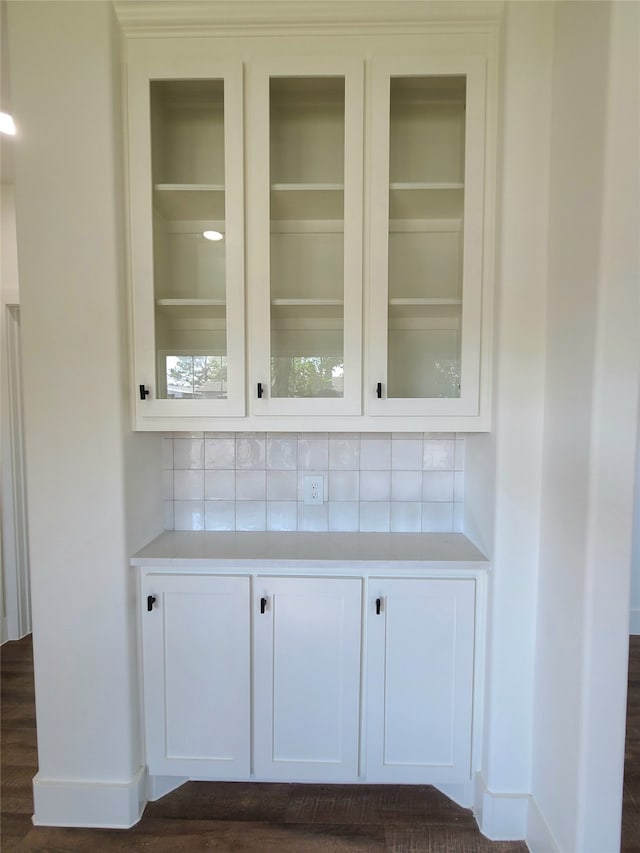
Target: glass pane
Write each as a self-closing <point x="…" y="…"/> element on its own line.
<point x="426" y="205"/>
<point x="187" y="143"/>
<point x="307" y="133"/>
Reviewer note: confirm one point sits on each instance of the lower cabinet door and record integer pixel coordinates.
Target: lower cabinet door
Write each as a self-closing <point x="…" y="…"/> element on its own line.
<point x="420" y="680"/>
<point x="307" y="678"/>
<point x="197" y="690"/>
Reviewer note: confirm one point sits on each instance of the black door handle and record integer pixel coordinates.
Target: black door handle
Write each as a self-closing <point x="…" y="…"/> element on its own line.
<point x="263" y="605"/>
<point x="144" y="392"/>
<point x="379" y="390"/>
<point x="151" y="600"/>
<point x="260" y="390"/>
<point x="378" y="606"/>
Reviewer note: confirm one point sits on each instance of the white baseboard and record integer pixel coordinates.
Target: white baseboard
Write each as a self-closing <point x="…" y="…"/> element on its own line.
<point x="539" y="838"/>
<point x="159" y="786"/>
<point x="461" y="794"/>
<point x="500" y="816"/>
<point x="107" y="805"/>
<point x="634" y="621"/>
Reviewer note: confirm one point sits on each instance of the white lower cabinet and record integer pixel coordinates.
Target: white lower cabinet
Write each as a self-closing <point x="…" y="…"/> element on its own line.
<point x="197" y="685"/>
<point x="420" y="680"/>
<point x="307" y="678"/>
<point x="259" y="677"/>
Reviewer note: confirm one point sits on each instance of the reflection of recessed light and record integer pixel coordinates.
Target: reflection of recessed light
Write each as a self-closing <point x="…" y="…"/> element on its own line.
<point x="7" y="124"/>
<point x="212" y="235"/>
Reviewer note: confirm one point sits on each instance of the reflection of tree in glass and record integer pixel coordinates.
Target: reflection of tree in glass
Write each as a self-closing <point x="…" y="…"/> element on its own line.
<point x="449" y="371"/>
<point x="306" y="376"/>
<point x="194" y="372"/>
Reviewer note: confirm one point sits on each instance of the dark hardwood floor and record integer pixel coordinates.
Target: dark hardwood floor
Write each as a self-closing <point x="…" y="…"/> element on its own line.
<point x="277" y="818"/>
<point x="631" y="791"/>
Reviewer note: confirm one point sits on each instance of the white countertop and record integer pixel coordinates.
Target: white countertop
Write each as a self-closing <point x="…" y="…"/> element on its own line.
<point x="310" y="550"/>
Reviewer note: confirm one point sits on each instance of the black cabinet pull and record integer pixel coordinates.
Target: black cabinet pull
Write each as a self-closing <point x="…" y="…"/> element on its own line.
<point x="379" y="390"/>
<point x="263" y="605"/>
<point x="378" y="606"/>
<point x="151" y="600"/>
<point x="144" y="392"/>
<point x="260" y="391"/>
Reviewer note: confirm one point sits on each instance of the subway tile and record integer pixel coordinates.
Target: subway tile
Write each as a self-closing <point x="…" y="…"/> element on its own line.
<point x="282" y="515"/>
<point x="375" y="485"/>
<point x="188" y="453"/>
<point x="458" y="518"/>
<point x="282" y="485"/>
<point x="375" y="453"/>
<point x="375" y="517"/>
<point x="344" y="452"/>
<point x="169" y="523"/>
<point x="219" y="515"/>
<point x="282" y="451"/>
<point x="344" y="516"/>
<point x="219" y="485"/>
<point x="250" y="450"/>
<point x="459" y="448"/>
<point x="437" y="486"/>
<point x="458" y="486"/>
<point x="188" y="515"/>
<point x="167" y="454"/>
<point x="251" y="485"/>
<point x="406" y="454"/>
<point x="167" y="485"/>
<point x="251" y="515"/>
<point x="438" y="454"/>
<point x="313" y="453"/>
<point x="188" y="485"/>
<point x="344" y="485"/>
<point x="406" y="517"/>
<point x="437" y="517"/>
<point x="406" y="485"/>
<point x="220" y="452"/>
<point x="313" y="518"/>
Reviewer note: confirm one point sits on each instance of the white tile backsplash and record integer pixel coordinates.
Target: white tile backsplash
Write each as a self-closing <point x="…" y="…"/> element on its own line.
<point x="400" y="482"/>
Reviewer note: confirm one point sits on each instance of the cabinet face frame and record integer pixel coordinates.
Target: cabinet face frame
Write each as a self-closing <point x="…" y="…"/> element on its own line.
<point x="383" y="69"/>
<point x="259" y="73"/>
<point x="142" y="71"/>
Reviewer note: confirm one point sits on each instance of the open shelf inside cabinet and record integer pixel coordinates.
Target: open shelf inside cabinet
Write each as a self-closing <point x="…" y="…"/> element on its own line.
<point x="307" y="201"/>
<point x="189" y="201"/>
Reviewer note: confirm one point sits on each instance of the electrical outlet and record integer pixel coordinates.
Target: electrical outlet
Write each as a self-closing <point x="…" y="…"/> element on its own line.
<point x="314" y="489"/>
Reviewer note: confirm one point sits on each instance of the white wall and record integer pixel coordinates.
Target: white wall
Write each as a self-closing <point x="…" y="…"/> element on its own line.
<point x="590" y="428"/>
<point x="502" y="471"/>
<point x="92" y="486"/>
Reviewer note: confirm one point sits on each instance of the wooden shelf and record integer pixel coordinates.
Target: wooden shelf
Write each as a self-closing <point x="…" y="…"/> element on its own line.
<point x="190" y="201"/>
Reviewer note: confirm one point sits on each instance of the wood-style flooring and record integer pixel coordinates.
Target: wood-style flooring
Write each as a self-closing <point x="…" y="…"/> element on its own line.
<point x="276" y="818"/>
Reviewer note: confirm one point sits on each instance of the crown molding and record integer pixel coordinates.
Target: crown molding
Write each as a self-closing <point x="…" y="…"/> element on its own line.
<point x="149" y="18"/>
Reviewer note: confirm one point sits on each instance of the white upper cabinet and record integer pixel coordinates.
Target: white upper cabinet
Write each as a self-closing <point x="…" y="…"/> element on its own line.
<point x="187" y="246"/>
<point x="305" y="234"/>
<point x="426" y="245"/>
<point x="311" y="220"/>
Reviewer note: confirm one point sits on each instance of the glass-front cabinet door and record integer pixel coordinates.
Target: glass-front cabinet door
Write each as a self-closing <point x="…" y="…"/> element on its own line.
<point x="305" y="229"/>
<point x="427" y="178"/>
<point x="188" y="244"/>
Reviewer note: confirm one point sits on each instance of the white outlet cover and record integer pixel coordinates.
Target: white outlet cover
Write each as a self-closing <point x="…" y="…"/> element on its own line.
<point x="313" y="489"/>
